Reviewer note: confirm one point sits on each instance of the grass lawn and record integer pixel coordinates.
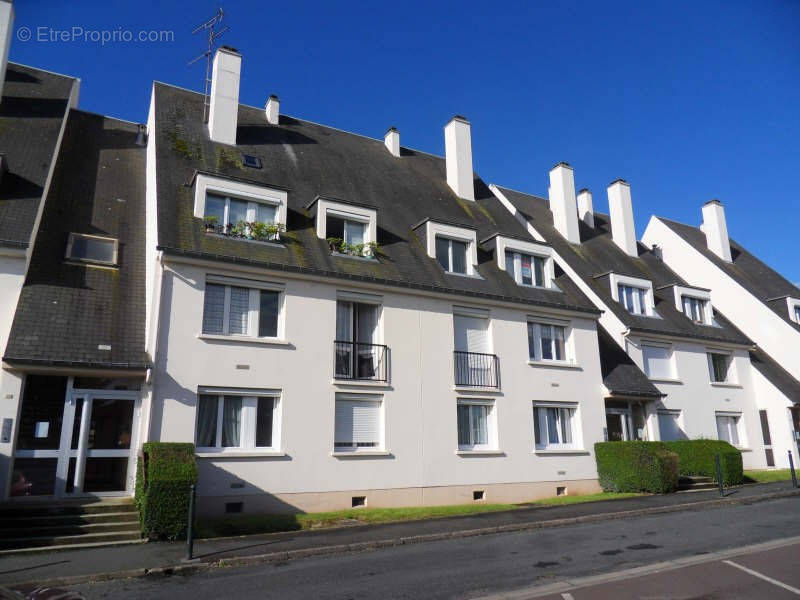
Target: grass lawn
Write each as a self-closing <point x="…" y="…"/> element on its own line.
<point x="767" y="476"/>
<point x="250" y="524"/>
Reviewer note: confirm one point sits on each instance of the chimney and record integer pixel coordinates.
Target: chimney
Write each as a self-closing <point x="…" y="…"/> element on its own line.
<point x="562" y="202"/>
<point x="585" y="209"/>
<point x="273" y="109"/>
<point x="6" y="27"/>
<point x="392" y="141"/>
<point x="458" y="157"/>
<point x="620" y="209"/>
<point x="224" y="109"/>
<point x="716" y="229"/>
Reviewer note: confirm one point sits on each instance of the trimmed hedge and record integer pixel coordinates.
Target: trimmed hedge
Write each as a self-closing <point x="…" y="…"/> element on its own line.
<point x="636" y="467"/>
<point x="165" y="472"/>
<point x="696" y="457"/>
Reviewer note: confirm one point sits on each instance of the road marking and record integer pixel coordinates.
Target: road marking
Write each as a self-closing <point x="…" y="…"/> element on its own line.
<point x="794" y="590"/>
<point x="567" y="596"/>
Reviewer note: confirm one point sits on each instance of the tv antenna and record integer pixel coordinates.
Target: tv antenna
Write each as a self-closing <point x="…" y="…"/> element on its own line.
<point x="211" y="26"/>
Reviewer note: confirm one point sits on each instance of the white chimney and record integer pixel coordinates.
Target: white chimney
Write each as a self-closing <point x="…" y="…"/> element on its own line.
<point x="458" y="157"/>
<point x="562" y="202"/>
<point x="6" y="27"/>
<point x="224" y="109"/>
<point x="392" y="141"/>
<point x="716" y="229"/>
<point x="620" y="208"/>
<point x="585" y="208"/>
<point x="272" y="109"/>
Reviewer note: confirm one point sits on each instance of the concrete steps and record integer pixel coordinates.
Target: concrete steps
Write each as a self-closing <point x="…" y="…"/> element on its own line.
<point x="41" y="524"/>
<point x="695" y="483"/>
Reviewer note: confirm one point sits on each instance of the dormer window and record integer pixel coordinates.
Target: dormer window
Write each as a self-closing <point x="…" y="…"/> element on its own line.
<point x="634" y="294"/>
<point x="239" y="209"/>
<point x="349" y="228"/>
<point x="694" y="308"/>
<point x="528" y="263"/>
<point x="633" y="299"/>
<point x="794" y="309"/>
<point x="452" y="255"/>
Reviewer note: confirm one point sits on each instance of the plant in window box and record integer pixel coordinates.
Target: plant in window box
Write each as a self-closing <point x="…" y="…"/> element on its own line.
<point x="335" y="244"/>
<point x="211" y="222"/>
<point x="274" y="230"/>
<point x="370" y="249"/>
<point x="239" y="230"/>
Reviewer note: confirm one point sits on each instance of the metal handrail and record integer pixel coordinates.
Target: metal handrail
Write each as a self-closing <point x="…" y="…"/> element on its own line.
<point x="476" y="369"/>
<point x="360" y="361"/>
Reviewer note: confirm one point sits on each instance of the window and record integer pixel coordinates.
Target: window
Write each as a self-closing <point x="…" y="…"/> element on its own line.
<point x="657" y="362"/>
<point x="251" y="161"/>
<point x="547" y="341"/>
<point x="475" y="425"/>
<point x="694" y="308"/>
<point x="525" y="269"/>
<point x="719" y="367"/>
<point x="358" y="423"/>
<point x="728" y="428"/>
<point x="669" y="424"/>
<point x="350" y="231"/>
<point x="241" y="311"/>
<point x="553" y="426"/>
<point x="236" y="421"/>
<point x="634" y="299"/>
<point x="234" y="216"/>
<point x="357" y="353"/>
<point x="91" y="248"/>
<point x="452" y="255"/>
<point x="797" y="314"/>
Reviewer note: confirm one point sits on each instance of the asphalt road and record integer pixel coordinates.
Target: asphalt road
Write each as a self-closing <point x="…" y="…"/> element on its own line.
<point x="488" y="565"/>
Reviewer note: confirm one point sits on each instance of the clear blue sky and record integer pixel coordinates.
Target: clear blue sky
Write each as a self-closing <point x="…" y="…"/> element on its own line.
<point x="688" y="101"/>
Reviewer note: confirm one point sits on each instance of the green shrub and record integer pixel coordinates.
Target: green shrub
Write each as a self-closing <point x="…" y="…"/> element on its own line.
<point x="696" y="457"/>
<point x="636" y="467"/>
<point x="165" y="473"/>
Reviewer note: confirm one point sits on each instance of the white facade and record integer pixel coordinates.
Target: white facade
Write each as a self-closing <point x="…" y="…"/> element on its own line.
<point x="777" y="338"/>
<point x="418" y="460"/>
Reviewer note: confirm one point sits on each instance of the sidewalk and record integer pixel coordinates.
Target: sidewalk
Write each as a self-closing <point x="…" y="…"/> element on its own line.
<point x="163" y="558"/>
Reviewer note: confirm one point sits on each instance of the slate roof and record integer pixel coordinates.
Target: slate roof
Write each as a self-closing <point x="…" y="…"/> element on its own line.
<point x="33" y="108"/>
<point x="597" y="255"/>
<point x="776" y="374"/>
<point x="314" y="160"/>
<point x="756" y="277"/>
<point x="67" y="310"/>
<point x="621" y="376"/>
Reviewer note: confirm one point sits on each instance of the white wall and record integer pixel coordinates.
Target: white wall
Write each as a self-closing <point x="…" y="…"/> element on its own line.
<point x="778" y="339"/>
<point x="781" y="428"/>
<point x="420" y="400"/>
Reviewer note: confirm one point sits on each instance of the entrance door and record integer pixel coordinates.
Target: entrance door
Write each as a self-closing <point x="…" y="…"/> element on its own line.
<point x="617" y="426"/>
<point x="79" y="445"/>
<point x="96" y="457"/>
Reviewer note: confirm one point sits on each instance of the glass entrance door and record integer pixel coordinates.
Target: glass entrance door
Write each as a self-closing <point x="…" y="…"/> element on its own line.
<point x="617" y="426"/>
<point x="96" y="451"/>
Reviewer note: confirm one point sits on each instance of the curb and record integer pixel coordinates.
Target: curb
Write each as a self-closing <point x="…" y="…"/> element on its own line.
<point x="322" y="551"/>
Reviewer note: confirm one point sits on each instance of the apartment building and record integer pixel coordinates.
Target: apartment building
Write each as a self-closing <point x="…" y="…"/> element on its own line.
<point x="762" y="303"/>
<point x="698" y="359"/>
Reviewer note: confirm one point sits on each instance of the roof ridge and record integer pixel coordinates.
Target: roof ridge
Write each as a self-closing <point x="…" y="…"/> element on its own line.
<point x="109" y="117"/>
<point x="64" y="75"/>
<point x="510" y="189"/>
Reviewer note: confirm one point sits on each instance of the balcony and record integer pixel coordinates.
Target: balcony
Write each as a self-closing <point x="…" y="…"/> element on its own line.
<point x="357" y="361"/>
<point x="476" y="370"/>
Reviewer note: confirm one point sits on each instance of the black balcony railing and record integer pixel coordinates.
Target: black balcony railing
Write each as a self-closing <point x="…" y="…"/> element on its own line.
<point x="473" y="369"/>
<point x="355" y="360"/>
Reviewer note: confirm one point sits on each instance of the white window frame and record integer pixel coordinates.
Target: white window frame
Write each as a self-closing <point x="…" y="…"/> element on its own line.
<point x="649" y="309"/>
<point x="73" y="236"/>
<point x="491" y="425"/>
<point x="255" y="288"/>
<point x="737" y="421"/>
<point x="794" y="306"/>
<point x="459" y="234"/>
<point x="370" y="398"/>
<point x="518" y="247"/>
<point x="731" y="373"/>
<point x="247" y="434"/>
<point x="575" y="430"/>
<point x="648" y="344"/>
<point x="679" y="291"/>
<point x="347" y="212"/>
<point x="537" y="323"/>
<point x="238" y="190"/>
